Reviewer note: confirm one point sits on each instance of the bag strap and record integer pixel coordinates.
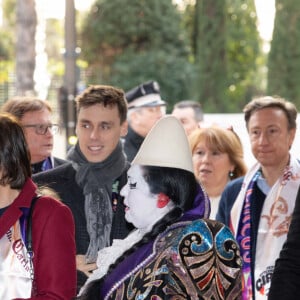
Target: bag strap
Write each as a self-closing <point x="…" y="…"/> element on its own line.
<point x="29" y="225"/>
<point x="29" y="242"/>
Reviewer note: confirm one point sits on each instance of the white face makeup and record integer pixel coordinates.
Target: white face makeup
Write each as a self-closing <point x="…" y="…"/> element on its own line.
<point x="141" y="205"/>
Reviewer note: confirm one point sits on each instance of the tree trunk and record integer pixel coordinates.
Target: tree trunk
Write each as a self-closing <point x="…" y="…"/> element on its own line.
<point x="70" y="64"/>
<point x="211" y="52"/>
<point x="25" y="46"/>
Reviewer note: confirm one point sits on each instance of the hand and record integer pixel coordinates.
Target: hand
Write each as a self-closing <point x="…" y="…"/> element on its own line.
<point x="82" y="266"/>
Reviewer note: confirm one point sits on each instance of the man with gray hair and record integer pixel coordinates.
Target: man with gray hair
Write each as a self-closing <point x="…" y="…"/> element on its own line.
<point x="35" y="116"/>
<point x="189" y="113"/>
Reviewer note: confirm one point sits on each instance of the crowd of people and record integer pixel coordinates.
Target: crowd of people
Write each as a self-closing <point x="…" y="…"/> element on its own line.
<point x="148" y="204"/>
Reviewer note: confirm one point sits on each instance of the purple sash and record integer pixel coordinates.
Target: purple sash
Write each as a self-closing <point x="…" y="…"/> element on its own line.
<point x="244" y="240"/>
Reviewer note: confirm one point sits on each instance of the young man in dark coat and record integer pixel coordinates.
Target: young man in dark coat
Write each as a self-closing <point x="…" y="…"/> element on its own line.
<point x="91" y="182"/>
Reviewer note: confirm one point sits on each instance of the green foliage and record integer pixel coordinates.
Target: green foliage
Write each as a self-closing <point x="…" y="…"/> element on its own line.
<point x="209" y="51"/>
<point x="7" y="31"/>
<point x="6" y="49"/>
<point x="243" y="52"/>
<point x="9" y="11"/>
<point x="228" y="52"/>
<point x="189" y="22"/>
<point x="55" y="39"/>
<point x="136" y="23"/>
<point x="284" y="57"/>
<point x="174" y="75"/>
<point x="6" y="68"/>
<point x="211" y="54"/>
<point x="127" y="42"/>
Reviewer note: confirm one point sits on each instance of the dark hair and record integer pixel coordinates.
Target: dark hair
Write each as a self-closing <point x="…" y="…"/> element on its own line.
<point x="18" y="106"/>
<point x="105" y="95"/>
<point x="195" y="106"/>
<point x="165" y="180"/>
<point x="287" y="107"/>
<point x="14" y="154"/>
<point x="181" y="186"/>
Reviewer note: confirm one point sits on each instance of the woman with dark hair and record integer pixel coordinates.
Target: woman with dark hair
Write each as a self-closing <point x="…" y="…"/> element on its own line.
<point x="173" y="253"/>
<point x="37" y="246"/>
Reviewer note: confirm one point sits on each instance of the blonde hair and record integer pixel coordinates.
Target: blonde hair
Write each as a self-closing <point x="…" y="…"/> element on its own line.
<point x="47" y="191"/>
<point x="223" y="140"/>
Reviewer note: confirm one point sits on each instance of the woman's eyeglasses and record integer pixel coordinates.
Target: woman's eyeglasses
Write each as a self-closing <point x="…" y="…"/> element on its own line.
<point x="42" y="129"/>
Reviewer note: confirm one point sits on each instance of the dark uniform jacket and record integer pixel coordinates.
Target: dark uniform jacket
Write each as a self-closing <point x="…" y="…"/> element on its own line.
<point x="38" y="167"/>
<point x="62" y="180"/>
<point x="132" y="143"/>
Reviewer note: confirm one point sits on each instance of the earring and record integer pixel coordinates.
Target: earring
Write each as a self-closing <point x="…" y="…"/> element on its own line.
<point x="231" y="174"/>
<point x="162" y="200"/>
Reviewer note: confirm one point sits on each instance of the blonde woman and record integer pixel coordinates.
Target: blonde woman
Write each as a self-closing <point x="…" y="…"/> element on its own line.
<point x="217" y="158"/>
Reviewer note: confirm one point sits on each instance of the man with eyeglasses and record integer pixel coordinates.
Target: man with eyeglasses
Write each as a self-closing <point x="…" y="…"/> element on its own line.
<point x="145" y="108"/>
<point x="35" y="117"/>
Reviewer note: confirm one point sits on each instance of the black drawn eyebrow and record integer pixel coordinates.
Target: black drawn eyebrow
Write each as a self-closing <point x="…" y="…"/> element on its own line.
<point x="132" y="185"/>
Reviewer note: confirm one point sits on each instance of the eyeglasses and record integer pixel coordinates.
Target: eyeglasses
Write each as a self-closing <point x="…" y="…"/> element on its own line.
<point x="42" y="129"/>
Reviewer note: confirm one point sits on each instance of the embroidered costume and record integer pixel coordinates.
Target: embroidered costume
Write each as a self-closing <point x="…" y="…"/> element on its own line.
<point x="190" y="260"/>
<point x="108" y="255"/>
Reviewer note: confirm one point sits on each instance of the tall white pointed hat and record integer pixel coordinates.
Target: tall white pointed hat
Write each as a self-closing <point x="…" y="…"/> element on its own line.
<point x="166" y="145"/>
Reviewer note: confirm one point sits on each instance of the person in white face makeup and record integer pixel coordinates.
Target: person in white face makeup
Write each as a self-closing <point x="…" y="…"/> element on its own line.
<point x="143" y="214"/>
<point x="174" y="253"/>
